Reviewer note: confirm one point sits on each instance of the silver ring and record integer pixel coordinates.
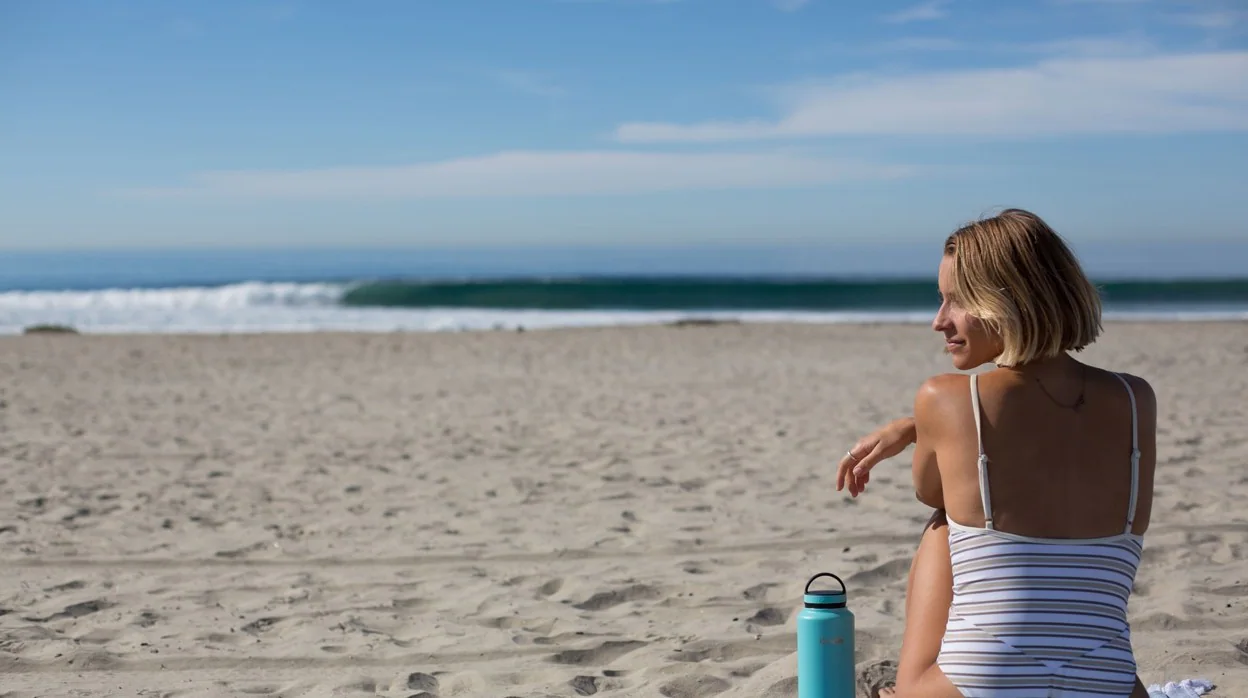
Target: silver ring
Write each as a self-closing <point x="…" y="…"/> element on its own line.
<point x="850" y="453"/>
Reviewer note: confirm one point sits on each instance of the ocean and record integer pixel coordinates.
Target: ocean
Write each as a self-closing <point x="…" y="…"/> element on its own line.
<point x="414" y="290"/>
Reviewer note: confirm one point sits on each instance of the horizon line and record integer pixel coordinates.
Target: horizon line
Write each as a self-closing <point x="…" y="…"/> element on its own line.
<point x="485" y="247"/>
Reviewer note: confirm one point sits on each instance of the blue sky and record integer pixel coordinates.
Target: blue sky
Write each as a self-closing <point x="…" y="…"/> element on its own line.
<point x="615" y="122"/>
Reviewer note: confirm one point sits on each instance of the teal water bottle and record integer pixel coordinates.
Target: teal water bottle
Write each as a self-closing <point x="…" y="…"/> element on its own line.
<point x="825" y="643"/>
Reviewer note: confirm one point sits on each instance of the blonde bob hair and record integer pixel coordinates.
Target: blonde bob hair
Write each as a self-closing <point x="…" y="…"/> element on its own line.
<point x="1017" y="275"/>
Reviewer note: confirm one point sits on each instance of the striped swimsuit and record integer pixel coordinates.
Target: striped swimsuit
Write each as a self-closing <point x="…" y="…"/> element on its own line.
<point x="1040" y="617"/>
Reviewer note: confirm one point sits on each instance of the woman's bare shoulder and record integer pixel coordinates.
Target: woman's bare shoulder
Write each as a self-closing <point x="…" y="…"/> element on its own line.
<point x="1142" y="388"/>
<point x="940" y="395"/>
<point x="945" y="384"/>
<point x="1145" y="398"/>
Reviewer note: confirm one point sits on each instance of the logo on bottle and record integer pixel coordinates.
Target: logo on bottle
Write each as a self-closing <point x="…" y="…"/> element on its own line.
<point x="832" y="641"/>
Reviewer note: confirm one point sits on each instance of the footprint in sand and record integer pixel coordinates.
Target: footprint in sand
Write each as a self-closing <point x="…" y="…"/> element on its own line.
<point x="360" y="685"/>
<point x="424" y="684"/>
<point x="551" y="587"/>
<point x="1165" y="621"/>
<point x="608" y="599"/>
<point x="147" y="619"/>
<point x="769" y="616"/>
<point x="93" y="661"/>
<point x="260" y="625"/>
<point x="220" y="639"/>
<point x="757" y="592"/>
<point x="584" y="685"/>
<point x="891" y="571"/>
<point x="76" y="610"/>
<point x="694" y="687"/>
<point x="605" y="653"/>
<point x="1230" y="590"/>
<point x="99" y="636"/>
<point x="784" y="688"/>
<point x="257" y="690"/>
<point x="724" y="652"/>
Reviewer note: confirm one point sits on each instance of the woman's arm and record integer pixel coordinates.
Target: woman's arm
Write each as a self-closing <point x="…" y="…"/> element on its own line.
<point x="855" y="467"/>
<point x="930" y="403"/>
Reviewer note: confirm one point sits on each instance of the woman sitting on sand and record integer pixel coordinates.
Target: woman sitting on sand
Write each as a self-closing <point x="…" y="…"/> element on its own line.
<point x="1041" y="472"/>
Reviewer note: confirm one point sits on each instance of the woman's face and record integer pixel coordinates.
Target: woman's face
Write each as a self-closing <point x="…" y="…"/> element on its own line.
<point x="967" y="340"/>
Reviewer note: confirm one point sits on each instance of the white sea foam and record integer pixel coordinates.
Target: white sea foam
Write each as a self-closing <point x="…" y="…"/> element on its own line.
<point x="290" y="307"/>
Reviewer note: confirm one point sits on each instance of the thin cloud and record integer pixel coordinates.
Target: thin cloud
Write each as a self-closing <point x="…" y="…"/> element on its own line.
<point x="1082" y="95"/>
<point x="1120" y="46"/>
<point x="902" y="45"/>
<point x="535" y="174"/>
<point x="923" y="12"/>
<point x="1212" y="16"/>
<point x="1068" y="47"/>
<point x="1213" y="20"/>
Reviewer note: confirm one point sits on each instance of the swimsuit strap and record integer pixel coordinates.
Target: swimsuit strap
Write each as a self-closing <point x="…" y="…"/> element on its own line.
<point x="1135" y="455"/>
<point x="982" y="463"/>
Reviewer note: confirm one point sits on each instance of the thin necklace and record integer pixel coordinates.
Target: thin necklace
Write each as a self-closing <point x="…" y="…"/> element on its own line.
<point x="1078" y="401"/>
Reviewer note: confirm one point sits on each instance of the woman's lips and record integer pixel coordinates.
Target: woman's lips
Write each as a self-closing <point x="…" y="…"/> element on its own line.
<point x="954" y="344"/>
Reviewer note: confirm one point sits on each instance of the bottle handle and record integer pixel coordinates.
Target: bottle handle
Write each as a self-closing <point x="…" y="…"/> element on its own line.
<point x="826" y="574"/>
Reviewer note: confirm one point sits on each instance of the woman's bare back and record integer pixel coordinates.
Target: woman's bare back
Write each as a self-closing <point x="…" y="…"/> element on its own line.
<point x="1054" y="470"/>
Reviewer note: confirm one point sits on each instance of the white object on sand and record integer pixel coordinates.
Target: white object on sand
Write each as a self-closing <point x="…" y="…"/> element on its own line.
<point x="1187" y="688"/>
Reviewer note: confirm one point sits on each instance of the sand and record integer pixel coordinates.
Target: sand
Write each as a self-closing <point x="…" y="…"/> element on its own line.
<point x="624" y="512"/>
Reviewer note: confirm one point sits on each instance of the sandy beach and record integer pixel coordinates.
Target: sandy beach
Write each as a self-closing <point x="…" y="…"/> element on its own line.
<point x="624" y="512"/>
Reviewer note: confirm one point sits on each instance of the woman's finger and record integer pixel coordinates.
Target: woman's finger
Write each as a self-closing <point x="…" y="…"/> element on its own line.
<point x="854" y="469"/>
<point x="860" y="482"/>
<point x="867" y="462"/>
<point x="843" y="470"/>
<point x="857" y="475"/>
<point x="849" y="463"/>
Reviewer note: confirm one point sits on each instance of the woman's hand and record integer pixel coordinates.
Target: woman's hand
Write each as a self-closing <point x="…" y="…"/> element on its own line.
<point x="885" y="442"/>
